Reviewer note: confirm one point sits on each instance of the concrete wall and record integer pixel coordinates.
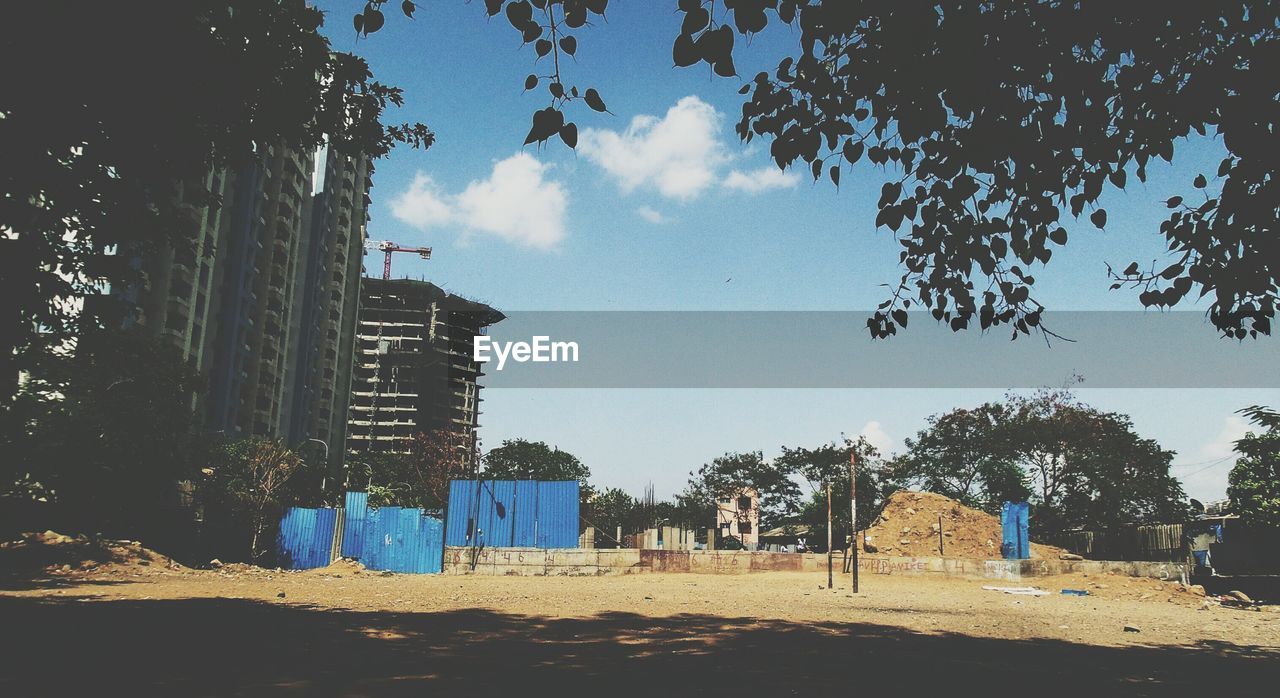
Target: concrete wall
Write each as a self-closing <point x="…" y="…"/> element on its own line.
<point x="533" y="561"/>
<point x="968" y="568"/>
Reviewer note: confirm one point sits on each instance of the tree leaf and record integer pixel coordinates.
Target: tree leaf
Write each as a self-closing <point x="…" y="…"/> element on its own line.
<point x="569" y="134"/>
<point x="593" y="100"/>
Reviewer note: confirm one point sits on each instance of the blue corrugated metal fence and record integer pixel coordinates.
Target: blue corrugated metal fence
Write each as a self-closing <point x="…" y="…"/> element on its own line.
<point x="391" y="538"/>
<point x="357" y="504"/>
<point x="305" y="539"/>
<point x="1015" y="542"/>
<point x="402" y="540"/>
<point x="510" y="513"/>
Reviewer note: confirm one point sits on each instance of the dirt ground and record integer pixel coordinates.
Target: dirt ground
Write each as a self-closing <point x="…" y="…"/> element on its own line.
<point x="133" y="629"/>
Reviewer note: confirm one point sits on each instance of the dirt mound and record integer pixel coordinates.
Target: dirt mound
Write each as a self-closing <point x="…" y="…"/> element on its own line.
<point x="50" y="552"/>
<point x="909" y="523"/>
<point x="337" y="568"/>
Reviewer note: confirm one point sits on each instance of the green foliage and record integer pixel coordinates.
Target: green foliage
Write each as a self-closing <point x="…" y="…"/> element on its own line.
<point x="249" y="483"/>
<point x="1254" y="482"/>
<point x="106" y="430"/>
<point x="1079" y="467"/>
<point x="419" y="478"/>
<point x="968" y="455"/>
<point x="118" y="114"/>
<point x="735" y="475"/>
<point x="611" y="508"/>
<point x="829" y="463"/>
<point x="518" y="459"/>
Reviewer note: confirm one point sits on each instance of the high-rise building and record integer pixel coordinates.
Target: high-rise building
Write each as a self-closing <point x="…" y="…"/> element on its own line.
<point x="264" y="304"/>
<point x="414" y="368"/>
<point x="329" y="301"/>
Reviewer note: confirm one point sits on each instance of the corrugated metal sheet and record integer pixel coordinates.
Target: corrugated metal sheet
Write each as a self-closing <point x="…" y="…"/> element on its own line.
<point x="400" y="539"/>
<point x="510" y="513"/>
<point x="525" y="516"/>
<point x="357" y="508"/>
<point x="497" y="500"/>
<point x="305" y="539"/>
<point x="557" y="525"/>
<point x="460" y="517"/>
<point x="1015" y="543"/>
<point x="391" y="538"/>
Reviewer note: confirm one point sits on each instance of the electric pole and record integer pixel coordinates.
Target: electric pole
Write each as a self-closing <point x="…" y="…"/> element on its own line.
<point x="853" y="515"/>
<point x="828" y="534"/>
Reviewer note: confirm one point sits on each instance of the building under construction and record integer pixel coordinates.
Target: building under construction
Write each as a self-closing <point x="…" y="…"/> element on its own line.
<point x="414" y="370"/>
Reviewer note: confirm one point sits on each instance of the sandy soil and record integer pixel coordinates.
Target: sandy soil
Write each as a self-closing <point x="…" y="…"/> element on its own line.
<point x="343" y="631"/>
<point x="910" y="523"/>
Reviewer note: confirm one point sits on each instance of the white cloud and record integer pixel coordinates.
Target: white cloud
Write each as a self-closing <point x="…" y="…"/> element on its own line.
<point x="875" y="434"/>
<point x="651" y="215"/>
<point x="761" y="179"/>
<point x="422" y="205"/>
<point x="677" y="154"/>
<point x="516" y="203"/>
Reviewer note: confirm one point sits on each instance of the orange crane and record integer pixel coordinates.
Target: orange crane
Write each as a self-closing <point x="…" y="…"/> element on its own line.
<point x="389" y="247"/>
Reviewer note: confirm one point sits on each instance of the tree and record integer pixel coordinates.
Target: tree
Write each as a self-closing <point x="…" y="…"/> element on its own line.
<point x="992" y="120"/>
<point x="117" y="116"/>
<point x="419" y="478"/>
<point x="1254" y="482"/>
<point x="252" y="481"/>
<point x="829" y="463"/>
<point x="1089" y="469"/>
<point x="611" y="509"/>
<point x="965" y="454"/>
<point x="518" y="459"/>
<point x="737" y="476"/>
<point x="105" y="429"/>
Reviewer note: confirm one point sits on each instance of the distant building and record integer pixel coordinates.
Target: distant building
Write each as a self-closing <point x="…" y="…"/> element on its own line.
<point x="740" y="517"/>
<point x="414" y="369"/>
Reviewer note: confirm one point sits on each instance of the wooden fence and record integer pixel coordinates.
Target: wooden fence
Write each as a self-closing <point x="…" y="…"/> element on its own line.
<point x="1161" y="543"/>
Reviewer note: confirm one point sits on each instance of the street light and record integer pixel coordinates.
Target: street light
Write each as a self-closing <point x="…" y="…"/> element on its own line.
<point x="325" y="477"/>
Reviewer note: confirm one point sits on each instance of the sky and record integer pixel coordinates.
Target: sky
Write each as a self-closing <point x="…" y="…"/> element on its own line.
<point x="661" y="207"/>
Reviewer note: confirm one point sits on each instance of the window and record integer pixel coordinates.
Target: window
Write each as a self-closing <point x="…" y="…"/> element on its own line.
<point x="744" y="503"/>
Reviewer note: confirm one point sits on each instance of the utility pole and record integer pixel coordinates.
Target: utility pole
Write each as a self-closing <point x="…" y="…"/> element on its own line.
<point x="828" y="534"/>
<point x="853" y="516"/>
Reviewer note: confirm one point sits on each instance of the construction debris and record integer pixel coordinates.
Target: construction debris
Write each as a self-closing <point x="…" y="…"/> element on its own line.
<point x="1018" y="591"/>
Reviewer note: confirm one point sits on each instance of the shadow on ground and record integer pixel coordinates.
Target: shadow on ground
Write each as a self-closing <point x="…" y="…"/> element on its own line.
<point x="75" y="646"/>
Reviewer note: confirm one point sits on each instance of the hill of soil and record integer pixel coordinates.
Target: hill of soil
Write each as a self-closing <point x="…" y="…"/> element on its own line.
<point x="55" y="553"/>
<point x="909" y="523"/>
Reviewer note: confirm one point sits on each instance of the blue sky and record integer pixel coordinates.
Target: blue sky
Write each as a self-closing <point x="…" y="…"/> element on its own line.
<point x="659" y="206"/>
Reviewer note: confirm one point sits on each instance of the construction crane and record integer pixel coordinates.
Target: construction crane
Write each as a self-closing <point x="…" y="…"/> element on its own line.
<point x="389" y="247"/>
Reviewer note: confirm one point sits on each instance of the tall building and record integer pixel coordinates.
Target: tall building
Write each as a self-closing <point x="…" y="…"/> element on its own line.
<point x="414" y="369"/>
<point x="264" y="305"/>
<point x="329" y="301"/>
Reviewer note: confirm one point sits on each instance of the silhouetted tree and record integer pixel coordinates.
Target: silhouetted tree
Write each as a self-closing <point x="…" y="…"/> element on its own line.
<point x="118" y="114"/>
<point x="1254" y="482"/>
<point x="106" y="430"/>
<point x="992" y="120"/>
